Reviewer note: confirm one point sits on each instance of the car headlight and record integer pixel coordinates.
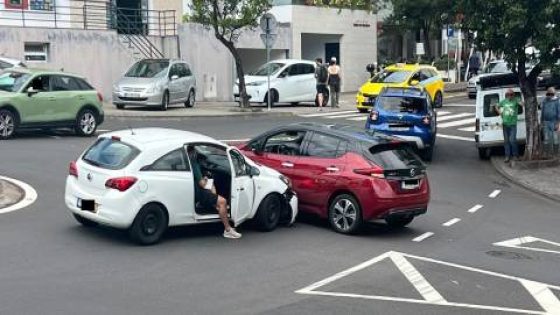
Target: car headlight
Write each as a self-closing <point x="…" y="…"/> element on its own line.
<point x="286" y="181"/>
<point x="256" y="83"/>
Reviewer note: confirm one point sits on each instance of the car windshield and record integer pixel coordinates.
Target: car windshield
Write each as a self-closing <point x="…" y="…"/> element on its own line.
<point x="13" y="81"/>
<point x="268" y="69"/>
<point x="148" y="69"/>
<point x="390" y="76"/>
<point x="414" y="105"/>
<point x="110" y="154"/>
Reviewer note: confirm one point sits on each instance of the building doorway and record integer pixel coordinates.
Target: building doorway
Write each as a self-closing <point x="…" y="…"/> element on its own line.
<point x="131" y="16"/>
<point x="332" y="50"/>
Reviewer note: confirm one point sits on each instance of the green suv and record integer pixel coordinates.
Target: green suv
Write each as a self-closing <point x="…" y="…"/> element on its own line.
<point x="32" y="99"/>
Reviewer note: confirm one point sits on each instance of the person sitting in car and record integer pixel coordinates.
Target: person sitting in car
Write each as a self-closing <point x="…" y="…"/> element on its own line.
<point x="208" y="197"/>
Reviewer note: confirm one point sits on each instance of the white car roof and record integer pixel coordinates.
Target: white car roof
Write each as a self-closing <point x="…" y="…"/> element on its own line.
<point x="10" y="60"/>
<point x="292" y="61"/>
<point x="144" y="138"/>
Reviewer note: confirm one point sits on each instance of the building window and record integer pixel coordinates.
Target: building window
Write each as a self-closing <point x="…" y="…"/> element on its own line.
<point x="42" y="5"/>
<point x="15" y="4"/>
<point x="36" y="52"/>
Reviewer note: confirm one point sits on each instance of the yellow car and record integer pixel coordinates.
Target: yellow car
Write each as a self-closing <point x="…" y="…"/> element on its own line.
<point x="401" y="75"/>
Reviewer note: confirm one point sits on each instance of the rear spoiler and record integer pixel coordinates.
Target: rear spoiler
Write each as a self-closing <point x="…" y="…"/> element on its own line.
<point x="499" y="80"/>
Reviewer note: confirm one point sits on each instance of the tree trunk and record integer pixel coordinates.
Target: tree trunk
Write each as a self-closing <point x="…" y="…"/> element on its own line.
<point x="427" y="46"/>
<point x="529" y="89"/>
<point x="243" y="97"/>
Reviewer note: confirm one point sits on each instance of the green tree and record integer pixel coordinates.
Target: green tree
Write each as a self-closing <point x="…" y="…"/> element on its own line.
<point x="511" y="26"/>
<point x="228" y="19"/>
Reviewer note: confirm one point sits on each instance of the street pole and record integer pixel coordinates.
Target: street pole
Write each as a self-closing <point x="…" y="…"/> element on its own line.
<point x="447" y="33"/>
<point x="267" y="61"/>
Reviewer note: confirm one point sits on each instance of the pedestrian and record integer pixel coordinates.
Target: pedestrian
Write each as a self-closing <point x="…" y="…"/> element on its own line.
<point x="550" y="121"/>
<point x="474" y="64"/>
<point x="334" y="82"/>
<point x="508" y="108"/>
<point x="321" y="77"/>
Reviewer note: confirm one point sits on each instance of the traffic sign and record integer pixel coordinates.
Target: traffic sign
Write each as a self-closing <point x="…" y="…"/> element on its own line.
<point x="450" y="32"/>
<point x="271" y="40"/>
<point x="420" y="49"/>
<point x="268" y="23"/>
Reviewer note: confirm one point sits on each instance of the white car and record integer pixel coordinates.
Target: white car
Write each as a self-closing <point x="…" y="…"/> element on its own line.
<point x="140" y="180"/>
<point x="7" y="63"/>
<point x="291" y="81"/>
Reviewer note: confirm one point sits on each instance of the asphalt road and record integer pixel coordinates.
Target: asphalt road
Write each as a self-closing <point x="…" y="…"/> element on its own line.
<point x="51" y="265"/>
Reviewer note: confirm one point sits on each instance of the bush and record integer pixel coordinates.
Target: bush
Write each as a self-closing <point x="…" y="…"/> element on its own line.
<point x="441" y="63"/>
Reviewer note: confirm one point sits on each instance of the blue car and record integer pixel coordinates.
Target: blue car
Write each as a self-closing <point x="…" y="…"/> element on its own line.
<point x="408" y="114"/>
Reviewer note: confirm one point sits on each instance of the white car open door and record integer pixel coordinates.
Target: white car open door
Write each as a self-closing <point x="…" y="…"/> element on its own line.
<point x="242" y="188"/>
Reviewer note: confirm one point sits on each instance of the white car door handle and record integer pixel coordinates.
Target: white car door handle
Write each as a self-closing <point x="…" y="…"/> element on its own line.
<point x="287" y="164"/>
<point x="240" y="188"/>
<point x="332" y="169"/>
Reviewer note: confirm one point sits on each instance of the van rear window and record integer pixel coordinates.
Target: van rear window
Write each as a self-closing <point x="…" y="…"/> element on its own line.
<point x="110" y="154"/>
<point x="393" y="156"/>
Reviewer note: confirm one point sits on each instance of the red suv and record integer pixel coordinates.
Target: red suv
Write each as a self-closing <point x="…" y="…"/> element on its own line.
<point x="345" y="174"/>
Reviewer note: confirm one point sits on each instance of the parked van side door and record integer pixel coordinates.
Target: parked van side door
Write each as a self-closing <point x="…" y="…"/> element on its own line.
<point x="490" y="122"/>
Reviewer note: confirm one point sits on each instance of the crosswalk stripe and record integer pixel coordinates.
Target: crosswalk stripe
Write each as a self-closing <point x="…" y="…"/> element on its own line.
<point x="469" y="129"/>
<point x="442" y="113"/>
<point x="457" y="123"/>
<point x="345" y="116"/>
<point x="450" y="117"/>
<point x="363" y="118"/>
<point x="328" y="113"/>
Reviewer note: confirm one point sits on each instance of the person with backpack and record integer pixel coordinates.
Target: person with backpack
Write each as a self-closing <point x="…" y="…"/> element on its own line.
<point x="322" y="77"/>
<point x="550" y="121"/>
<point x="334" y="82"/>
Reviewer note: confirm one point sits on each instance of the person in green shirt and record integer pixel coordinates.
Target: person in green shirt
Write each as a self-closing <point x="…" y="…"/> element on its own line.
<point x="508" y="109"/>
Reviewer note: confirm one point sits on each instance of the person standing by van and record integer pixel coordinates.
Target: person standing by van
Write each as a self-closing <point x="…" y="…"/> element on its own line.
<point x="550" y="121"/>
<point x="321" y="76"/>
<point x="508" y="108"/>
<point x="334" y="82"/>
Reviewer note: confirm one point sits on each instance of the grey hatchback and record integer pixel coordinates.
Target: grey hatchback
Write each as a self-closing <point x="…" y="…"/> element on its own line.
<point x="156" y="82"/>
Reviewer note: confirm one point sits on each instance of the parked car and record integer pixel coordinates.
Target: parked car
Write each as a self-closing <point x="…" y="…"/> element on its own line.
<point x="401" y="75"/>
<point x="47" y="99"/>
<point x="493" y="67"/>
<point x="408" y="114"/>
<point x="156" y="83"/>
<point x="347" y="175"/>
<point x="141" y="180"/>
<point x="291" y="81"/>
<point x="488" y="127"/>
<point x="7" y="63"/>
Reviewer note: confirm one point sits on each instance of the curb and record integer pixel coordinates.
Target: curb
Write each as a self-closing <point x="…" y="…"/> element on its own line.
<point x="496" y="164"/>
<point x="29" y="195"/>
<point x="9" y="188"/>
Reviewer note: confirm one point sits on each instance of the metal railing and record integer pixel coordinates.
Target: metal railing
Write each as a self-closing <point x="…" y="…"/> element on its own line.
<point x="92" y="15"/>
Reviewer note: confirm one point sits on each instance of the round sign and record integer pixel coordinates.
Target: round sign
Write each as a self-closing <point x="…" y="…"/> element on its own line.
<point x="268" y="23"/>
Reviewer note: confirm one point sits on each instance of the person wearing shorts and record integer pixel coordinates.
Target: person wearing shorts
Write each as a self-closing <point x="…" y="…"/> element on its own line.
<point x="321" y="82"/>
<point x="208" y="198"/>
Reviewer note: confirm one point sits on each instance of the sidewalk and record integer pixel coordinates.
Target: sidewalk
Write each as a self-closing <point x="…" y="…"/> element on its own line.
<point x="9" y="194"/>
<point x="541" y="177"/>
<point x="215" y="109"/>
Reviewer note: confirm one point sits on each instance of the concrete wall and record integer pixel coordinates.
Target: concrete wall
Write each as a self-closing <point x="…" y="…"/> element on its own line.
<point x="254" y="58"/>
<point x="358" y="45"/>
<point x="313" y="45"/>
<point x="213" y="64"/>
<point x="97" y="55"/>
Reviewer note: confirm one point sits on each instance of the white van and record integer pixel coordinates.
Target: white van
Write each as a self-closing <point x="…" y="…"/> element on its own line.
<point x="489" y="133"/>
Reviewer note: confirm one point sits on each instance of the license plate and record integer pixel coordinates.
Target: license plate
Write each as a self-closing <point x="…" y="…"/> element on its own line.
<point x="87" y="205"/>
<point x="131" y="95"/>
<point x="408" y="185"/>
<point x="400" y="128"/>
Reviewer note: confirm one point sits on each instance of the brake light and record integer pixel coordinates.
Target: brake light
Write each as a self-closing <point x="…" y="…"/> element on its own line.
<point x="73" y="169"/>
<point x="374" y="115"/>
<point x="100" y="97"/>
<point x="121" y="183"/>
<point x="477" y="125"/>
<point x="427" y="120"/>
<point x="375" y="171"/>
<point x="116" y="138"/>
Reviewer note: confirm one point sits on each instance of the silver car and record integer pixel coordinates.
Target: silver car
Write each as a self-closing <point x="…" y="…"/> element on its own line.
<point x="156" y="83"/>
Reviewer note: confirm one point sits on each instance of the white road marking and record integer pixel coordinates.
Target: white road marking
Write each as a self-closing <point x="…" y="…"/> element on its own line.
<point x="327" y="113"/>
<point x="475" y="209"/>
<point x="364" y="118"/>
<point x="540" y="291"/>
<point x="459" y="105"/>
<point x="428" y="292"/>
<point x="495" y="193"/>
<point x="455" y="137"/>
<point x="423" y="237"/>
<point x="345" y="116"/>
<point x="457" y="123"/>
<point x="30" y="195"/>
<point x="451" y="222"/>
<point x="103" y="130"/>
<point x="450" y="117"/>
<point x="442" y="113"/>
<point x="517" y="242"/>
<point x="468" y="129"/>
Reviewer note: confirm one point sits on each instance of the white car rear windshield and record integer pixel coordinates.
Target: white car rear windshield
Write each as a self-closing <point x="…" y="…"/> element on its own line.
<point x="110" y="154"/>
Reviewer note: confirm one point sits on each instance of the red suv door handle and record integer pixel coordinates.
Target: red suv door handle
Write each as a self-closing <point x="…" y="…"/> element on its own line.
<point x="288" y="164"/>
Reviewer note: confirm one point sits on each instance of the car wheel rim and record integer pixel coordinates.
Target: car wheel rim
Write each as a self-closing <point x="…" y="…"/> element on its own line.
<point x="439" y="100"/>
<point x="344" y="214"/>
<point x="7" y="125"/>
<point x="150" y="224"/>
<point x="273" y="213"/>
<point x="87" y="123"/>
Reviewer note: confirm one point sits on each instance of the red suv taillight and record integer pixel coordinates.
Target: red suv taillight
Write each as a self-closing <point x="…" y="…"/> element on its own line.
<point x="121" y="183"/>
<point x="73" y="169"/>
<point x="100" y="97"/>
<point x="374" y="115"/>
<point x="426" y="120"/>
<point x="374" y="171"/>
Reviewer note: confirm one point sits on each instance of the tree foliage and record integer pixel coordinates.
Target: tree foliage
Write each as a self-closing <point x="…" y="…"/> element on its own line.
<point x="511" y="26"/>
<point x="228" y="19"/>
